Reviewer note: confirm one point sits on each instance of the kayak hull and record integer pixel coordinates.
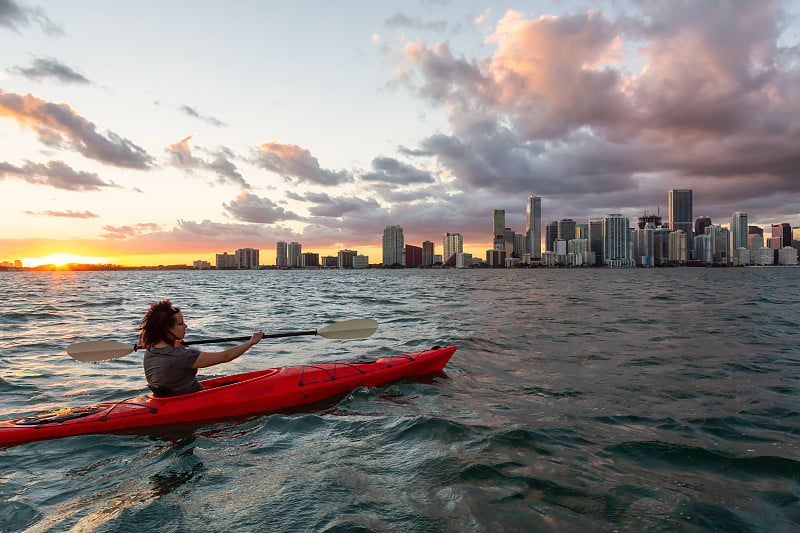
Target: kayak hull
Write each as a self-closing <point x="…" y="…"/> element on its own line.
<point x="273" y="389"/>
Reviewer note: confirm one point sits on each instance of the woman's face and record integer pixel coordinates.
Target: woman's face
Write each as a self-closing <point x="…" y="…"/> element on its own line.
<point x="178" y="329"/>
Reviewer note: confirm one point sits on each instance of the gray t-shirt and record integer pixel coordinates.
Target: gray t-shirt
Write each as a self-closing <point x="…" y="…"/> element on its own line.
<point x="169" y="370"/>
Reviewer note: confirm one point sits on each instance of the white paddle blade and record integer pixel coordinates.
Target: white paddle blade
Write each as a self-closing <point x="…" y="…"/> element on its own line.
<point x="349" y="329"/>
<point x="99" y="350"/>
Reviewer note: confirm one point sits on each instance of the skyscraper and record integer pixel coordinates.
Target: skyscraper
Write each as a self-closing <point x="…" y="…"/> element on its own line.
<point x="739" y="231"/>
<point x="615" y="240"/>
<point x="294" y="251"/>
<point x="453" y="244"/>
<point x="566" y="229"/>
<point x="498" y="227"/>
<point x="427" y="253"/>
<point x="281" y="259"/>
<point x="680" y="213"/>
<point x="533" y="227"/>
<point x="596" y="239"/>
<point x="393" y="244"/>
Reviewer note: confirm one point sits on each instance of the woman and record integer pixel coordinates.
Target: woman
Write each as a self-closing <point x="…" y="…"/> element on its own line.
<point x="170" y="368"/>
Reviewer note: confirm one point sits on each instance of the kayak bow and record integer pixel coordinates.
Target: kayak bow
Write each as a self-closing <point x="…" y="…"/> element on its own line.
<point x="240" y="394"/>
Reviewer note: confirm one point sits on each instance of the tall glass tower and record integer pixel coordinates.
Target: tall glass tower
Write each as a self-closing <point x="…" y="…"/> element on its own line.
<point x="393" y="244"/>
<point x="739" y="231"/>
<point x="498" y="227"/>
<point x="533" y="226"/>
<point x="680" y="213"/>
<point x="615" y="240"/>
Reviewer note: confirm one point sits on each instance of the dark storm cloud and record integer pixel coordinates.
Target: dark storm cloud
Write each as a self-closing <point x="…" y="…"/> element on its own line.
<point x="59" y="125"/>
<point x="14" y="17"/>
<point x="389" y="170"/>
<point x="294" y="162"/>
<point x="180" y="155"/>
<point x="50" y="68"/>
<point x="251" y="208"/>
<point x="600" y="112"/>
<point x="55" y="174"/>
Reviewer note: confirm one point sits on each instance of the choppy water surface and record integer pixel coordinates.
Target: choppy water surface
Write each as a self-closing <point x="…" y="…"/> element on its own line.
<point x="594" y="400"/>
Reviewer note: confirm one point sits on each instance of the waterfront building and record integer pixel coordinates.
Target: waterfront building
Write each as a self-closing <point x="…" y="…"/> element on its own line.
<point x="427" y="253"/>
<point x="644" y="245"/>
<point x="498" y="226"/>
<point x="787" y="256"/>
<point x="755" y="241"/>
<point x="782" y="235"/>
<point x="281" y="256"/>
<point x="225" y="261"/>
<point x="596" y="238"/>
<point x="550" y="235"/>
<point x="309" y="260"/>
<point x="565" y="229"/>
<point x="345" y="258"/>
<point x="533" y="226"/>
<point x="495" y="258"/>
<point x="360" y="261"/>
<point x="680" y="213"/>
<point x="762" y="256"/>
<point x="463" y="260"/>
<point x="393" y="244"/>
<point x="519" y="245"/>
<point x="677" y="247"/>
<point x="413" y="256"/>
<point x="755" y="230"/>
<point x="508" y="241"/>
<point x="329" y="261"/>
<point x="452" y="244"/>
<point x="246" y="259"/>
<point x="196" y="265"/>
<point x="739" y="230"/>
<point x="615" y="240"/>
<point x="577" y="246"/>
<point x="700" y="225"/>
<point x="704" y="248"/>
<point x="741" y="257"/>
<point x="293" y="252"/>
<point x="661" y="246"/>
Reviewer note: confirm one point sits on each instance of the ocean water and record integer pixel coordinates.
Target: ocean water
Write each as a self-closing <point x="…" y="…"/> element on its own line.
<point x="579" y="400"/>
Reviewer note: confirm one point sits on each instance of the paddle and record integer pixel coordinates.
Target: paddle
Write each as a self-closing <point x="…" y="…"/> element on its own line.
<point x="92" y="351"/>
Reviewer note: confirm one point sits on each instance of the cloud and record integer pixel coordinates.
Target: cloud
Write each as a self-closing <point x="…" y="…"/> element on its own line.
<point x="596" y="111"/>
<point x="206" y="118"/>
<point x="335" y="207"/>
<point x="400" y="20"/>
<point x="250" y="208"/>
<point x="59" y="125"/>
<point x="180" y="156"/>
<point x="55" y="174"/>
<point x="127" y="232"/>
<point x="13" y="17"/>
<point x="389" y="170"/>
<point x="292" y="161"/>
<point x="50" y="68"/>
<point x="66" y="214"/>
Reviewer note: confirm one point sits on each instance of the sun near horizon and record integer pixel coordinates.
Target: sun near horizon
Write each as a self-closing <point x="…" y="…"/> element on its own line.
<point x="61" y="259"/>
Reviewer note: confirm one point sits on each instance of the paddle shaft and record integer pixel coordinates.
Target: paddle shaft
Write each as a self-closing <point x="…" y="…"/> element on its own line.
<point x="236" y="339"/>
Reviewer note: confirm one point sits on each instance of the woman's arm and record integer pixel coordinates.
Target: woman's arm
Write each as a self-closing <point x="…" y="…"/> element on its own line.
<point x="214" y="358"/>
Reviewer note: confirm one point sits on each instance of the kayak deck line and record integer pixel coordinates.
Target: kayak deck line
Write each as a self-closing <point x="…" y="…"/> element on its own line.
<point x="249" y="393"/>
<point x="352" y="364"/>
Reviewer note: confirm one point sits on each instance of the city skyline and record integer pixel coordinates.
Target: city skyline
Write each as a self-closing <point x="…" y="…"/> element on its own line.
<point x="426" y="115"/>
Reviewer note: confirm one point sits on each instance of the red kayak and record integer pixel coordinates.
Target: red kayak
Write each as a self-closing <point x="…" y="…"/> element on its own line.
<point x="239" y="394"/>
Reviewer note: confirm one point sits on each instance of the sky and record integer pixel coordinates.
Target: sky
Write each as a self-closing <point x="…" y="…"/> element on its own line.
<point x="151" y="132"/>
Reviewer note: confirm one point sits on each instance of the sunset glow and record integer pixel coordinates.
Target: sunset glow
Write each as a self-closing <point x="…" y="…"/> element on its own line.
<point x="62" y="259"/>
